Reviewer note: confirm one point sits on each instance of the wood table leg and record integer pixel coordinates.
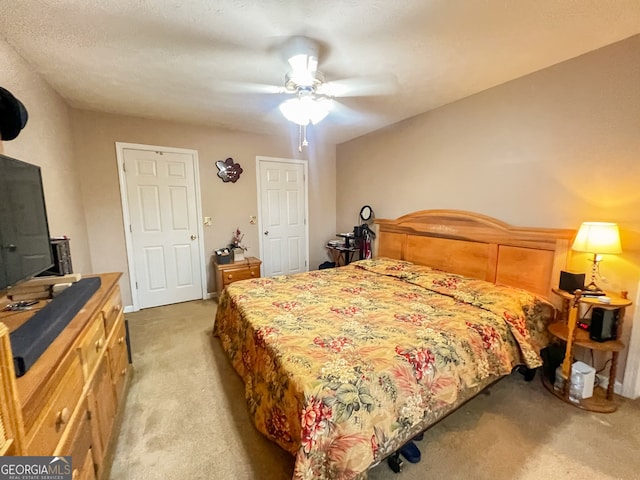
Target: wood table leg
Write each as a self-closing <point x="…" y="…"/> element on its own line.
<point x="612" y="375"/>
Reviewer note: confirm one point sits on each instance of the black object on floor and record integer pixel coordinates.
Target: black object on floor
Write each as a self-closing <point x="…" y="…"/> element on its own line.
<point x="126" y="326"/>
<point x="395" y="462"/>
<point x="324" y="265"/>
<point x="411" y="452"/>
<point x="528" y="373"/>
<point x="552" y="357"/>
<point x="34" y="336"/>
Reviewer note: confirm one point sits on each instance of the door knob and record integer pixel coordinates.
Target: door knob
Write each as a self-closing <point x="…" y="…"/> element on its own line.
<point x="193" y="237"/>
<point x="266" y="232"/>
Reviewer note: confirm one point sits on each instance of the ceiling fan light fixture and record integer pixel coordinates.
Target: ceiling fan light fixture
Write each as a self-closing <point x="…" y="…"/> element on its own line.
<point x="305" y="109"/>
<point x="294" y="111"/>
<point x="319" y="109"/>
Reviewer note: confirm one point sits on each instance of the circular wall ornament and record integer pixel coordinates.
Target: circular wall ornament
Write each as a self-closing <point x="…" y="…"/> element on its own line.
<point x="228" y="171"/>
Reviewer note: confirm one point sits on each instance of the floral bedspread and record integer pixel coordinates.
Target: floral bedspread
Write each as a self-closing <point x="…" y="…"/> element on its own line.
<point x="343" y="366"/>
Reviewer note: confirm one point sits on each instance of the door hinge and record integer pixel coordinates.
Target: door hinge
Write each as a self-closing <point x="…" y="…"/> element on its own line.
<point x="130" y="229"/>
<point x="305" y="221"/>
<point x="136" y="285"/>
<point x="124" y="167"/>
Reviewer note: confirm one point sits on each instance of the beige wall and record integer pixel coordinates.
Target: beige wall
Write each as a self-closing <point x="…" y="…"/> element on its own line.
<point x="552" y="149"/>
<point x="229" y="204"/>
<point x="47" y="141"/>
<point x="76" y="150"/>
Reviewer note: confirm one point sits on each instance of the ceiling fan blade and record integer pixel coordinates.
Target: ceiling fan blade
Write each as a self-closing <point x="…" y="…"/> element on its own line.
<point x="360" y="86"/>
<point x="228" y="86"/>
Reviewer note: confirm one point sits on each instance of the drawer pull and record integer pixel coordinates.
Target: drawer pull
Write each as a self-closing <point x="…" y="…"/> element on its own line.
<point x="63" y="416"/>
<point x="99" y="344"/>
<point x="120" y="340"/>
<point x="229" y="277"/>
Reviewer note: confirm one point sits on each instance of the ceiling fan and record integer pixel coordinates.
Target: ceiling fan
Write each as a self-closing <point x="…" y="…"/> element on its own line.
<point x="312" y="97"/>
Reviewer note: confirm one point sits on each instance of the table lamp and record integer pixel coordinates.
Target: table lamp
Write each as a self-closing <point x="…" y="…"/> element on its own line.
<point x="597" y="238"/>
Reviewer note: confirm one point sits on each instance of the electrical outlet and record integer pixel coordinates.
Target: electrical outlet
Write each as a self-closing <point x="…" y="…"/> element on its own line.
<point x="252" y="219"/>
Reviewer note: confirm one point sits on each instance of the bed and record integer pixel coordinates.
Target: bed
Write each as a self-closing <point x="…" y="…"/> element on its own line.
<point x="343" y="366"/>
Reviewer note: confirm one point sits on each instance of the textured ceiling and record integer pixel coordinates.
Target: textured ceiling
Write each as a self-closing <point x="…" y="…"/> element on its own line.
<point x="203" y="61"/>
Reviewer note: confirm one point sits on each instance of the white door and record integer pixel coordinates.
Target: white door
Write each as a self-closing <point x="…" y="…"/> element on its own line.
<point x="283" y="216"/>
<point x="164" y="227"/>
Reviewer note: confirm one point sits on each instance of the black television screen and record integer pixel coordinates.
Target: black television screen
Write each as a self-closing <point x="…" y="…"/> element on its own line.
<point x="25" y="248"/>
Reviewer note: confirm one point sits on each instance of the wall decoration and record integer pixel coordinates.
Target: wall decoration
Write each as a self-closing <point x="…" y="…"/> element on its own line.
<point x="366" y="213"/>
<point x="228" y="171"/>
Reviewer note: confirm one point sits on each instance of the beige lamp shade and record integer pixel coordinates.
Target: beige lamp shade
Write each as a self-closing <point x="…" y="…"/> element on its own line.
<point x="598" y="237"/>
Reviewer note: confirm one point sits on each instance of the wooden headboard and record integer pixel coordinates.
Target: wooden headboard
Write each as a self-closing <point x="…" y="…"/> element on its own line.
<point x="477" y="246"/>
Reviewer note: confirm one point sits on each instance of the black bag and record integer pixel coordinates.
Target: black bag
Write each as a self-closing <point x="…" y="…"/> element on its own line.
<point x="552" y="357"/>
<point x="324" y="265"/>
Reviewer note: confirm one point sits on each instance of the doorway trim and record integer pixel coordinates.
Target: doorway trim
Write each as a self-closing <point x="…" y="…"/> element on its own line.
<point x="124" y="202"/>
<point x="305" y="166"/>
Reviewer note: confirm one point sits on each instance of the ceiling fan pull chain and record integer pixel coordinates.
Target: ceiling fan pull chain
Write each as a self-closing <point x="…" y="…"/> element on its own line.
<point x="299" y="138"/>
<point x="304" y="142"/>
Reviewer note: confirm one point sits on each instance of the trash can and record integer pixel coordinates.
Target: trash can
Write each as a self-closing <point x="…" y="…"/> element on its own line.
<point x="588" y="376"/>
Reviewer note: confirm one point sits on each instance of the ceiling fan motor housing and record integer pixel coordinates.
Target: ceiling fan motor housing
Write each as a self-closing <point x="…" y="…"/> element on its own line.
<point x="296" y="83"/>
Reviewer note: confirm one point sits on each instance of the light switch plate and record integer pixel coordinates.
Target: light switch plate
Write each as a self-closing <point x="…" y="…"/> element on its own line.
<point x="207" y="221"/>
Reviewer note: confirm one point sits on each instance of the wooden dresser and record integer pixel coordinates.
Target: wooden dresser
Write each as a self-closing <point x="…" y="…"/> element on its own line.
<point x="71" y="400"/>
<point x="227" y="273"/>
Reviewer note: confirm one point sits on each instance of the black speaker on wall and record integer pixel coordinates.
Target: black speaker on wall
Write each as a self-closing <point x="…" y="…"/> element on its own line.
<point x="570" y="282"/>
<point x="604" y="324"/>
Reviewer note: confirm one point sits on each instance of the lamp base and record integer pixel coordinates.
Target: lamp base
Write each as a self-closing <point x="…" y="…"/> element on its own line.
<point x="593" y="290"/>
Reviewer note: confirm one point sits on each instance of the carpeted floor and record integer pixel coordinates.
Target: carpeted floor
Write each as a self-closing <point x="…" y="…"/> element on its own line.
<point x="186" y="419"/>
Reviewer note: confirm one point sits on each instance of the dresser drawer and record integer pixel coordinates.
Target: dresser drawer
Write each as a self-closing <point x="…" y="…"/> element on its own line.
<point x="91" y="346"/>
<point x="111" y="309"/>
<point x="118" y="358"/>
<point x="53" y="421"/>
<point x="77" y="439"/>
<point x="240" y="274"/>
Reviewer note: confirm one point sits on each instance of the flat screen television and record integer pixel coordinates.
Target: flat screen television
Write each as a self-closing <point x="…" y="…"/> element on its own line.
<point x="25" y="248"/>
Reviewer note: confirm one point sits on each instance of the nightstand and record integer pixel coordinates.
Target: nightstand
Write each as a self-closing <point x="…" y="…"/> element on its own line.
<point x="232" y="272"/>
<point x="601" y="401"/>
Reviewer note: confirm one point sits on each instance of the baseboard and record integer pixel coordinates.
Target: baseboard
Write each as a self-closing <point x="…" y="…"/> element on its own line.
<point x="603" y="381"/>
<point x="208" y="296"/>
